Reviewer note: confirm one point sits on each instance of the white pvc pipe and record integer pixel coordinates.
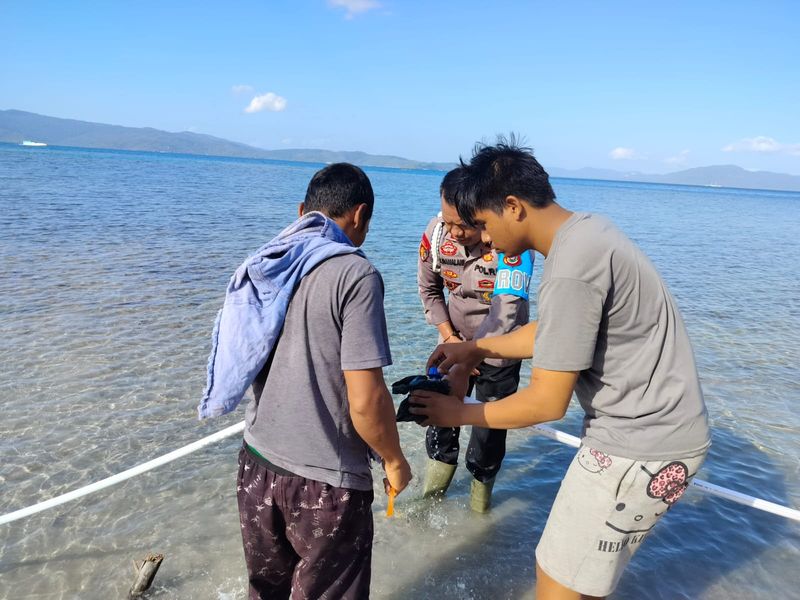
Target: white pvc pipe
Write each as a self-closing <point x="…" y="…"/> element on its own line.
<point x="544" y="430"/>
<point x="119" y="477"/>
<point x="770" y="507"/>
<point x="559" y="436"/>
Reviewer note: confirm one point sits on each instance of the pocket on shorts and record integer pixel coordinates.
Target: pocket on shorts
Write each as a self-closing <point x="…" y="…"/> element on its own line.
<point x="627" y="480"/>
<point x="647" y="491"/>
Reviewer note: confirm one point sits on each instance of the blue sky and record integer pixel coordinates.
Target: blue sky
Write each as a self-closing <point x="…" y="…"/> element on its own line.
<point x="645" y="86"/>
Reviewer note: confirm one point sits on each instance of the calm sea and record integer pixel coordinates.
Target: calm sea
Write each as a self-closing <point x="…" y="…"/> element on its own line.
<point x="112" y="268"/>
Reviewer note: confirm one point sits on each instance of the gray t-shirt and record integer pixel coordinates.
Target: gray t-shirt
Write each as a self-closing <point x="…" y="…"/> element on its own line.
<point x="604" y="311"/>
<point x="300" y="419"/>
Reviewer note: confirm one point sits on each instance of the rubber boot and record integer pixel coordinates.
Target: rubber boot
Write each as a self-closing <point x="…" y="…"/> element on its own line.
<point x="437" y="478"/>
<point x="480" y="495"/>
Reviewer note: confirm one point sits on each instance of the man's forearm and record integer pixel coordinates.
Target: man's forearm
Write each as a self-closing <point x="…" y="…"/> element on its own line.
<point x="545" y="399"/>
<point x="446" y="330"/>
<point x="517" y="344"/>
<point x="518" y="410"/>
<point x="377" y="426"/>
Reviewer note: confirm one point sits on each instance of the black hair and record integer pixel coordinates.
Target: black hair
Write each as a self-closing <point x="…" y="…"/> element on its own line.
<point x="338" y="188"/>
<point x="451" y="184"/>
<point x="496" y="172"/>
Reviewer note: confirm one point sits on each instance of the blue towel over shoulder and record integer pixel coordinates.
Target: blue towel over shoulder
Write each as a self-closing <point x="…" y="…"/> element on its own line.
<point x="250" y="321"/>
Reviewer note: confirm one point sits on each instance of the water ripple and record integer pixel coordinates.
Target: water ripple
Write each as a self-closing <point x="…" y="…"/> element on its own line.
<point x="112" y="268"/>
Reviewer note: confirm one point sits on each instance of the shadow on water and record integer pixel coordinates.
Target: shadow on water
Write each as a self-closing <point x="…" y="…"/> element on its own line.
<point x="705" y="547"/>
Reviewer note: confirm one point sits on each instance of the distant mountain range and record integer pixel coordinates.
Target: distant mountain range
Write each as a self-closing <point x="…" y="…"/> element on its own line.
<point x="714" y="176"/>
<point x="17" y="125"/>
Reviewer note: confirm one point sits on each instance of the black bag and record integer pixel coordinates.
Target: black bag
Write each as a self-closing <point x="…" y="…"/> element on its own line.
<point x="416" y="382"/>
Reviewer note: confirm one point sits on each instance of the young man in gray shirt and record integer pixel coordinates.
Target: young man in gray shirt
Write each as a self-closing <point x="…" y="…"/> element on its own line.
<point x="321" y="404"/>
<point x="609" y="330"/>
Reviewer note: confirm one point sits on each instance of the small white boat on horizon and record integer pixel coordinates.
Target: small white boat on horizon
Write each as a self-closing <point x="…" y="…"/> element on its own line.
<point x="33" y="144"/>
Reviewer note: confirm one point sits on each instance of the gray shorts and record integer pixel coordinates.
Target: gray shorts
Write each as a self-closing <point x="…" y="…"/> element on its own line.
<point x="605" y="508"/>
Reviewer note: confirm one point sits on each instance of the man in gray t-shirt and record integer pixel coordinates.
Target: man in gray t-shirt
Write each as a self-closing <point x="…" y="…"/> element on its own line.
<point x="605" y="313"/>
<point x="607" y="330"/>
<point x="321" y="406"/>
<point x="299" y="420"/>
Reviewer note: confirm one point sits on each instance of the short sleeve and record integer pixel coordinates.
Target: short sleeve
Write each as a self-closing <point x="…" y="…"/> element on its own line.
<point x="365" y="342"/>
<point x="570" y="312"/>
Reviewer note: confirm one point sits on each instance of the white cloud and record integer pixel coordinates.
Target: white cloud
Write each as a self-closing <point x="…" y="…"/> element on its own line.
<point x="269" y="101"/>
<point x="680" y="159"/>
<point x="354" y="7"/>
<point x="242" y="89"/>
<point x="622" y="153"/>
<point x="763" y="144"/>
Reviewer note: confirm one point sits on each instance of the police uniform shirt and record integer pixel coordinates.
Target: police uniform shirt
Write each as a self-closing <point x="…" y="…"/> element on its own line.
<point x="487" y="294"/>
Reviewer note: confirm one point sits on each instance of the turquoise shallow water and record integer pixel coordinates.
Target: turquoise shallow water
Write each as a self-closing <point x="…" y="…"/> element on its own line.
<point x="113" y="265"/>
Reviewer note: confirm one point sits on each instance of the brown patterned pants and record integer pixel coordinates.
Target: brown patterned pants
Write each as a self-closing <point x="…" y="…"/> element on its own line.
<point x="303" y="538"/>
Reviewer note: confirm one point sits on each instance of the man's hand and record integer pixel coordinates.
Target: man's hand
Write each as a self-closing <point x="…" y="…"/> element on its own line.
<point x="459" y="379"/>
<point x="439" y="410"/>
<point x="465" y="354"/>
<point x="453" y="339"/>
<point x="398" y="475"/>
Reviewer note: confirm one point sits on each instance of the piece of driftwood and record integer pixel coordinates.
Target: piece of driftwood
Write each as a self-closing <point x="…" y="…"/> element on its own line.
<point x="145" y="573"/>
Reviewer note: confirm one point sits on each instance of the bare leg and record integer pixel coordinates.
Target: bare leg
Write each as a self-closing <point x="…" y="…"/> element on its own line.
<point x="548" y="588"/>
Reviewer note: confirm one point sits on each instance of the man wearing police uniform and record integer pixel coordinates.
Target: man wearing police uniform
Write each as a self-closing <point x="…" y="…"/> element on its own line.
<point x="487" y="294"/>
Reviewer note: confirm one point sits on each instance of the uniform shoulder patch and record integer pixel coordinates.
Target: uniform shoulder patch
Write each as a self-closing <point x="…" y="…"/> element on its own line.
<point x="424" y="248"/>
